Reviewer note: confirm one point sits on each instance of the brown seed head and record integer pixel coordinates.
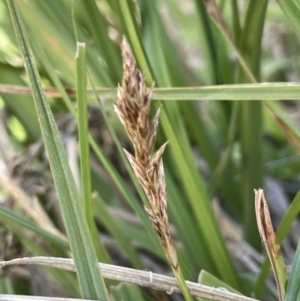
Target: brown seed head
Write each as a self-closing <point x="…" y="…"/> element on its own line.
<point x="132" y="107"/>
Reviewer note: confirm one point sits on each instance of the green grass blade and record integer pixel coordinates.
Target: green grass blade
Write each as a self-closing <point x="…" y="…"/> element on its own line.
<point x="293" y="286"/>
<point x="89" y="275"/>
<point x="83" y="133"/>
<point x="81" y="85"/>
<point x="236" y="92"/>
<point x="251" y="118"/>
<point x="251" y="138"/>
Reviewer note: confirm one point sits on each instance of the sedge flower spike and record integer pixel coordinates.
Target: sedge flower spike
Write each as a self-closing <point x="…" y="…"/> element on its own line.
<point x="132" y="107"/>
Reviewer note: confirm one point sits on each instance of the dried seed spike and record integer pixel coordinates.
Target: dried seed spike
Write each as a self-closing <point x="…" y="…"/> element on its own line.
<point x="158" y="154"/>
<point x="270" y="242"/>
<point x="138" y="170"/>
<point x="129" y="62"/>
<point x="153" y="130"/>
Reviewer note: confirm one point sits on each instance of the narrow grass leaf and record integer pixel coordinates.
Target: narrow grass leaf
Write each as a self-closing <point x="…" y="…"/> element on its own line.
<point x="89" y="275"/>
<point x="81" y="84"/>
<point x="83" y="135"/>
<point x="293" y="286"/>
<point x="236" y="92"/>
<point x="251" y="117"/>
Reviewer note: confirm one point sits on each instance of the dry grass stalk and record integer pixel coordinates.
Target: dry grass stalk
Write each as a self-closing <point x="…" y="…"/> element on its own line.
<point x="132" y="107"/>
<point x="127" y="275"/>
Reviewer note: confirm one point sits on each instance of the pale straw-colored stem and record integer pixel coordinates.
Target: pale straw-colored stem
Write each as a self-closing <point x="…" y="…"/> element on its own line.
<point x="138" y="277"/>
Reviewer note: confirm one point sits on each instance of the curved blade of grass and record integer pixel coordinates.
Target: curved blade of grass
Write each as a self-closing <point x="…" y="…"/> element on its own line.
<point x="89" y="275"/>
<point x="81" y="79"/>
<point x="293" y="286"/>
<point x="282" y="231"/>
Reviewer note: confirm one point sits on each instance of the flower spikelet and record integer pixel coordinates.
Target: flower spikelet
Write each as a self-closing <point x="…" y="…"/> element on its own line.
<point x="132" y="107"/>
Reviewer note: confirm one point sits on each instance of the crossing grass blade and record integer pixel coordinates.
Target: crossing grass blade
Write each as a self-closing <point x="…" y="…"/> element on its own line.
<point x="89" y="275"/>
<point x="8" y="216"/>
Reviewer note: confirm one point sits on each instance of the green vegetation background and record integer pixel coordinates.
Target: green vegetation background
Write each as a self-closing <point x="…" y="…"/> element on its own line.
<point x="219" y="147"/>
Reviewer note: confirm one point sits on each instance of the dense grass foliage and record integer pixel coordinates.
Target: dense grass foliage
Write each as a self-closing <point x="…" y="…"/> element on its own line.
<point x="225" y="75"/>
